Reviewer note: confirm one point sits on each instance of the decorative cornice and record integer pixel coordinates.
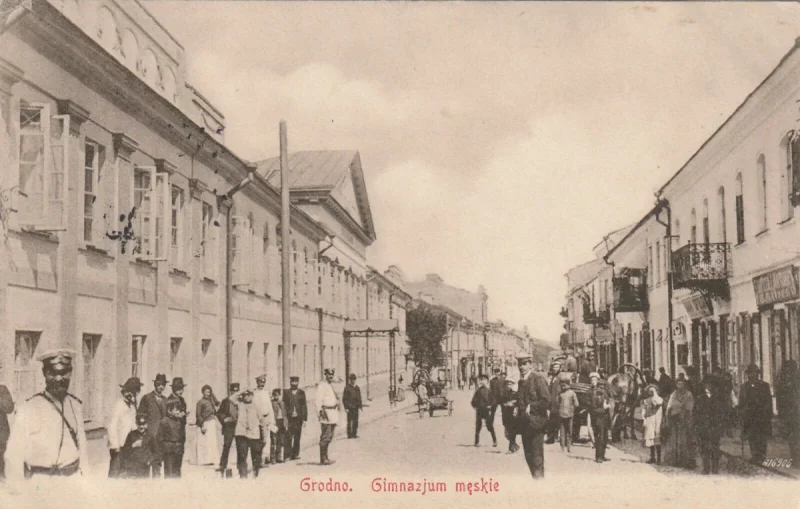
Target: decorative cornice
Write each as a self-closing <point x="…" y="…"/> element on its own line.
<point x="77" y="114"/>
<point x="162" y="165"/>
<point x="197" y="188"/>
<point x="9" y="75"/>
<point x="124" y="146"/>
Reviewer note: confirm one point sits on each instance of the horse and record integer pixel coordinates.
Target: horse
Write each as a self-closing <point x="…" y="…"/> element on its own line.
<point x="624" y="390"/>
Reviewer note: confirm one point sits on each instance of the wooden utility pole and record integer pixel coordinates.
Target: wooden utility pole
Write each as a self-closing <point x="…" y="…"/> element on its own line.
<point x="286" y="289"/>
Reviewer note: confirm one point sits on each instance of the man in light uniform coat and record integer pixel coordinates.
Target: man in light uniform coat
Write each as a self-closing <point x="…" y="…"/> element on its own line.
<point x="328" y="411"/>
<point x="263" y="403"/>
<point x="48" y="436"/>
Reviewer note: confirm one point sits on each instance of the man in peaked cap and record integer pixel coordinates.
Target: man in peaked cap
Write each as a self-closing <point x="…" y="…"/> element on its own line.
<point x="294" y="400"/>
<point x="122" y="422"/>
<point x="48" y="436"/>
<point x="554" y="383"/>
<point x="755" y="402"/>
<point x="228" y="415"/>
<point x="328" y="410"/>
<point x="154" y="406"/>
<point x="263" y="404"/>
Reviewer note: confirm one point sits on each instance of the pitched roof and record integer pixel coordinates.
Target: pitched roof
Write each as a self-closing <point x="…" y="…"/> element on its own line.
<point x="327" y="171"/>
<point x="583" y="274"/>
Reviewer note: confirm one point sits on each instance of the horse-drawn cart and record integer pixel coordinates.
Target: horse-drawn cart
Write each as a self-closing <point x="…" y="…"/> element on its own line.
<point x="431" y="396"/>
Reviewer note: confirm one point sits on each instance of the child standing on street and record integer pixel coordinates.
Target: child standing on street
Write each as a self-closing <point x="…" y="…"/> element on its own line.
<point x="652" y="414"/>
<point x="138" y="452"/>
<point x="171" y="438"/>
<point x="567" y="403"/>
<point x="482" y="402"/>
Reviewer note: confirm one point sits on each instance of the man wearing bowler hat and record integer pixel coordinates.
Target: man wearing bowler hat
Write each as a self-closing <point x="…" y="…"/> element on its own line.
<point x="154" y="406"/>
<point x="122" y="422"/>
<point x="48" y="437"/>
<point x="294" y="400"/>
<point x="534" y="401"/>
<point x="755" y="402"/>
<point x="328" y="410"/>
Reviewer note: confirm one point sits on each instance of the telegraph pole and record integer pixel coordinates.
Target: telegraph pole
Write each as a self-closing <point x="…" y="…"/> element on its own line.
<point x="286" y="289"/>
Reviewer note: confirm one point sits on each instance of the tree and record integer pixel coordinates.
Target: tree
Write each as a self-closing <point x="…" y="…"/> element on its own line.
<point x="426" y="330"/>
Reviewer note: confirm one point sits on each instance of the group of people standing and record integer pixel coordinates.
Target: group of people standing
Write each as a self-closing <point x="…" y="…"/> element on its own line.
<point x="148" y="437"/>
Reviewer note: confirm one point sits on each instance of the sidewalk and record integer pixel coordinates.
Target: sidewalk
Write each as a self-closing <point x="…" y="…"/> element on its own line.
<point x="374" y="409"/>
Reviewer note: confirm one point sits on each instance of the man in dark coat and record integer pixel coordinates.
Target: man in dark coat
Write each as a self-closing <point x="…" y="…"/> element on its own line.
<point x="482" y="402"/>
<point x="496" y="386"/>
<point x="788" y="400"/>
<point x="755" y="402"/>
<point x="177" y="397"/>
<point x="228" y="415"/>
<point x="665" y="384"/>
<point x="598" y="413"/>
<point x="154" y="406"/>
<point x="553" y="424"/>
<point x="588" y="366"/>
<point x="709" y="423"/>
<point x="351" y="399"/>
<point x="297" y="412"/>
<point x="6" y="407"/>
<point x="533" y="399"/>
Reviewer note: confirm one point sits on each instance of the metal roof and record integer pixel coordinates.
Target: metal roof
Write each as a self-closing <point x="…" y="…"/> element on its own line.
<point x="311" y="169"/>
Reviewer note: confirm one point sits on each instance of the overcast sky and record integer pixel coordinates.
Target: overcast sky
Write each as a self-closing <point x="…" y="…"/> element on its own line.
<point x="499" y="141"/>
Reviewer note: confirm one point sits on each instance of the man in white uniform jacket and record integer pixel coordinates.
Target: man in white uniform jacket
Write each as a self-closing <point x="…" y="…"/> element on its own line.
<point x="122" y="422"/>
<point x="263" y="403"/>
<point x="328" y="411"/>
<point x="48" y="436"/>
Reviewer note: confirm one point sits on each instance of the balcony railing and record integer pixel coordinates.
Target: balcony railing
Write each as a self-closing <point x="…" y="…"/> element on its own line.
<point x="705" y="267"/>
<point x="630" y="291"/>
<point x="596" y="317"/>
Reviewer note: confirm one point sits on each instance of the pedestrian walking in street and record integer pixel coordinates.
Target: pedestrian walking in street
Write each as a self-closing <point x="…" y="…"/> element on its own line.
<point x="266" y="416"/>
<point x="665" y="384"/>
<point x="279" y="448"/>
<point x="227" y="415"/>
<point x="473" y="381"/>
<point x="154" y="406"/>
<point x="709" y="423"/>
<point x="248" y="436"/>
<point x="652" y="415"/>
<point x="6" y="408"/>
<point x="567" y="404"/>
<point x="294" y="401"/>
<point x="553" y="424"/>
<point x="508" y="412"/>
<point x="207" y="427"/>
<point x="788" y="400"/>
<point x="588" y="366"/>
<point x="122" y="422"/>
<point x="328" y="411"/>
<point x="138" y="451"/>
<point x="482" y="402"/>
<point x="48" y="436"/>
<point x="351" y="398"/>
<point x="679" y="447"/>
<point x="496" y="385"/>
<point x="533" y="401"/>
<point x="598" y="414"/>
<point x="726" y="393"/>
<point x="755" y="401"/>
<point x="171" y="438"/>
<point x="178" y="387"/>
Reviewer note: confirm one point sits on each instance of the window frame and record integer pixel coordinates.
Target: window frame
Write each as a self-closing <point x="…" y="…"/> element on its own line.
<point x="95" y="181"/>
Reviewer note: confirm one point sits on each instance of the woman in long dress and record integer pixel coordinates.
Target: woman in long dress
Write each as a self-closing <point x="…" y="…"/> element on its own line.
<point x="679" y="448"/>
<point x="207" y="428"/>
<point x="651" y="411"/>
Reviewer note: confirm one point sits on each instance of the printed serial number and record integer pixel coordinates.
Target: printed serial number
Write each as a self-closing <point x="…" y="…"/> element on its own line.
<point x="778" y="462"/>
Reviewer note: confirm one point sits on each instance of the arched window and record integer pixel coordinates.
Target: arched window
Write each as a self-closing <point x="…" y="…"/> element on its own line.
<point x="693" y="228"/>
<point x="787" y="149"/>
<point x="739" y="209"/>
<point x="761" y="174"/>
<point x="706" y="232"/>
<point x="723" y="227"/>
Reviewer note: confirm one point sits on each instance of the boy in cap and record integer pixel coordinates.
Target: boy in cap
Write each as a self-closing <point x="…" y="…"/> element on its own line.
<point x="248" y="436"/>
<point x="277" y="449"/>
<point x="122" y="422"/>
<point x="598" y="408"/>
<point x="351" y="399"/>
<point x="171" y="438"/>
<point x="482" y="402"/>
<point x="48" y="437"/>
<point x="228" y="414"/>
<point x="294" y="401"/>
<point x="138" y="452"/>
<point x="154" y="406"/>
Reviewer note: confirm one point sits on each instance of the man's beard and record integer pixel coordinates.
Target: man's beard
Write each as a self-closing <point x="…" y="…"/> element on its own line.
<point x="58" y="389"/>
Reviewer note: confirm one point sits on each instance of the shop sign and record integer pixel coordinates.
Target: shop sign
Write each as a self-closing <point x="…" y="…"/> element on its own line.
<point x="777" y="286"/>
<point x="698" y="306"/>
<point x="603" y="337"/>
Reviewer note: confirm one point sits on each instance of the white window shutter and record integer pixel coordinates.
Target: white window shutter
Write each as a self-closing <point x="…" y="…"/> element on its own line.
<point x="312" y="283"/>
<point x="57" y="176"/>
<point x="162" y="216"/>
<point x="33" y="150"/>
<point x="146" y="213"/>
<point x="249" y="258"/>
<point x="9" y="170"/>
<point x="108" y="203"/>
<point x="237" y="258"/>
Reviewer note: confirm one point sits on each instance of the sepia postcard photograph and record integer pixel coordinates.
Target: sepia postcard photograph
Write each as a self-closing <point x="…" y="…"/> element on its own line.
<point x="399" y="254"/>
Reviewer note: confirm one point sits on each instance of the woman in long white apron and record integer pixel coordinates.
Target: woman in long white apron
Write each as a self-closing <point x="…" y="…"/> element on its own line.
<point x="208" y="430"/>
